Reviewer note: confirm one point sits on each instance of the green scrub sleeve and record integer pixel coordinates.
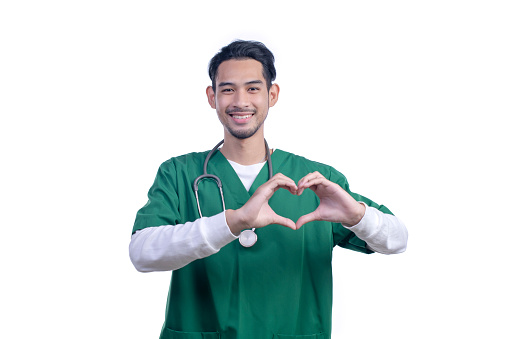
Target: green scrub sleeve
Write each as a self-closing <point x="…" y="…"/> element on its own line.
<point x="162" y="205"/>
<point x="342" y="236"/>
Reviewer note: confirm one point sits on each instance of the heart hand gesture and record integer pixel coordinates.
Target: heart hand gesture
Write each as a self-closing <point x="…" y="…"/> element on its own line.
<point x="336" y="205"/>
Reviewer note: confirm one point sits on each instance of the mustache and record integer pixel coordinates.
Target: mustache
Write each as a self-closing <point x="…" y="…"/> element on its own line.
<point x="240" y="110"/>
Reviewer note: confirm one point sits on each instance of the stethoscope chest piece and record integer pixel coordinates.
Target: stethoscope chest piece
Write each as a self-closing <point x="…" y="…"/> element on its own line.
<point x="247" y="238"/>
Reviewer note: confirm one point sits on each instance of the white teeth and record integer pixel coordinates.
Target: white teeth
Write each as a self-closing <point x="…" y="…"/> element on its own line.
<point x="242" y="116"/>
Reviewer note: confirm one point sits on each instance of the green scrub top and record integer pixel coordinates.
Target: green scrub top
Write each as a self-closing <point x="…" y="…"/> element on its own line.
<point x="279" y="288"/>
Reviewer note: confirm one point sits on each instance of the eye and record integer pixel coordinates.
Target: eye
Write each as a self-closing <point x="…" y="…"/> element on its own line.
<point x="227" y="90"/>
<point x="253" y="89"/>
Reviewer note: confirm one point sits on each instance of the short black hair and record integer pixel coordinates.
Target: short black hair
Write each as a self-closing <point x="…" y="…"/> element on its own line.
<point x="242" y="49"/>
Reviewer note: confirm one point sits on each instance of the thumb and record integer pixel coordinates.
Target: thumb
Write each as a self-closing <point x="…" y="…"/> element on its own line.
<point x="306" y="218"/>
<point x="284" y="222"/>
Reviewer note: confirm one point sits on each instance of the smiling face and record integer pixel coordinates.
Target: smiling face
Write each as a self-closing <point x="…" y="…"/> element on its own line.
<point x="242" y="99"/>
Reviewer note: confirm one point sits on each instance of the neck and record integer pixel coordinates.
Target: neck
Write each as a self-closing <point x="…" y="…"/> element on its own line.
<point x="248" y="151"/>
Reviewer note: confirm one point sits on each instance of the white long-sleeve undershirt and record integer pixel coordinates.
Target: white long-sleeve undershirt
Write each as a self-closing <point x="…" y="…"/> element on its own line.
<point x="170" y="247"/>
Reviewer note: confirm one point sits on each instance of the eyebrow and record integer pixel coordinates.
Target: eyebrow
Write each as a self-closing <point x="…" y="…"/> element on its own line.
<point x="252" y="82"/>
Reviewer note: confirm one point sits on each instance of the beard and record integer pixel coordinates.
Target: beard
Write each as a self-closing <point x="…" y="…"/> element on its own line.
<point x="244" y="134"/>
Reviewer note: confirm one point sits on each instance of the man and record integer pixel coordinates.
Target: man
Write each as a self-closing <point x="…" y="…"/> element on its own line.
<point x="278" y="283"/>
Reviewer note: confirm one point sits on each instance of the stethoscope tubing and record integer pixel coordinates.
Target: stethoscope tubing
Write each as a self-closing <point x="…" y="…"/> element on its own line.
<point x="206" y="175"/>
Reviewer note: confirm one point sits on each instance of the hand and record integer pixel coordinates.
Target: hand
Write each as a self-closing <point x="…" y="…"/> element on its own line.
<point x="336" y="205"/>
<point x="256" y="212"/>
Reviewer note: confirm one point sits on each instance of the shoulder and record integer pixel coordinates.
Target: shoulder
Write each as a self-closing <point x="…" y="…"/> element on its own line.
<point x="181" y="166"/>
<point x="291" y="157"/>
<point x="185" y="160"/>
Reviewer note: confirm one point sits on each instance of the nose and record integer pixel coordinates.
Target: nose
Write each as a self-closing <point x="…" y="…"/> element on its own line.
<point x="241" y="99"/>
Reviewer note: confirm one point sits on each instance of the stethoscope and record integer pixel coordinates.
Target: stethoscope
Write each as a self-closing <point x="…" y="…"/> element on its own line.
<point x="247" y="238"/>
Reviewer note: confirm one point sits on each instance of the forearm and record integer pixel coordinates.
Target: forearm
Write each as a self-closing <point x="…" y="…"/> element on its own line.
<point x="166" y="248"/>
<point x="383" y="233"/>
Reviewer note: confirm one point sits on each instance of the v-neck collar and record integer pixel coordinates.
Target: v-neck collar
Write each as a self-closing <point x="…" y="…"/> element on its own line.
<point x="219" y="165"/>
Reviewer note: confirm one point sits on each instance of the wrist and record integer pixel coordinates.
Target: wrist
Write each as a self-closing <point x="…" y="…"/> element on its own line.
<point x="357" y="216"/>
<point x="234" y="221"/>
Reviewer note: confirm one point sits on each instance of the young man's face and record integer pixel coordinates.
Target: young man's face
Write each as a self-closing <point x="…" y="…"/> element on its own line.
<point x="241" y="98"/>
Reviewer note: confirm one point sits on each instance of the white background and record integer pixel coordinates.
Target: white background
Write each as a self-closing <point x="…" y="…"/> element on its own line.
<point x="408" y="99"/>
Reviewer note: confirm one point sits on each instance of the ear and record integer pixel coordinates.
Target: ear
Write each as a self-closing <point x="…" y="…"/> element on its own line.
<point x="273" y="94"/>
<point x="211" y="96"/>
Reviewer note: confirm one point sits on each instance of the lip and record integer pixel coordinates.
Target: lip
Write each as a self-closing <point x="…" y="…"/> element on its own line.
<point x="241" y="118"/>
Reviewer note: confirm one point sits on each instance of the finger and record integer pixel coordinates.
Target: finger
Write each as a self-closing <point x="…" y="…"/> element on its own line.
<point x="280" y="175"/>
<point x="304" y="182"/>
<point x="310" y="176"/>
<point x="312" y="183"/>
<point x="306" y="218"/>
<point x="282" y="182"/>
<point x="284" y="222"/>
